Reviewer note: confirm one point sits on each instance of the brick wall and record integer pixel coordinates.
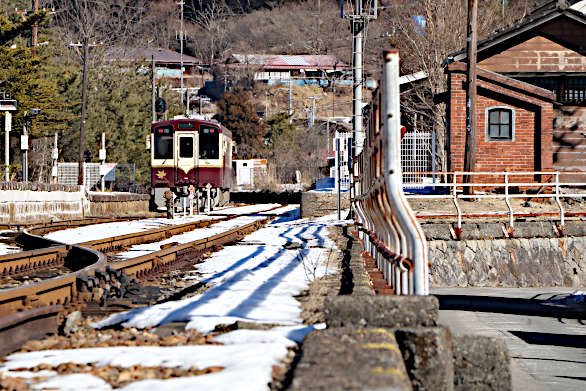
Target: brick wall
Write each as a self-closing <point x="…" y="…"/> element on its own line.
<point x="532" y="112"/>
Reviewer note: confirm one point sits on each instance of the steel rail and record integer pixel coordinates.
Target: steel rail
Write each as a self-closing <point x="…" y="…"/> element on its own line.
<point x="55" y="253"/>
<point x="57" y="290"/>
<point x="32" y="311"/>
<point x="63" y="290"/>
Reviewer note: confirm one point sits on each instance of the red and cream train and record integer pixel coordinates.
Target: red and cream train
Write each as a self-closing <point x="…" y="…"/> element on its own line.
<point x="191" y="152"/>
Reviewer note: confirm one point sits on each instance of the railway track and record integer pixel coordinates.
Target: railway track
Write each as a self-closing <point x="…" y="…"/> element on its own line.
<point x="33" y="309"/>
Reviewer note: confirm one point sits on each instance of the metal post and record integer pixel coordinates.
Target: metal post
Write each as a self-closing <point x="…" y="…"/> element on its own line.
<point x="103" y="161"/>
<point x="290" y="100"/>
<point x="266" y="105"/>
<point x="153" y="98"/>
<point x="470" y="156"/>
<point x="339" y="161"/>
<point x="55" y="156"/>
<point x="327" y="140"/>
<point x="35" y="30"/>
<point x="181" y="3"/>
<point x="312" y="114"/>
<point x="197" y="201"/>
<point x="7" y="126"/>
<point x="409" y="228"/>
<point x="24" y="147"/>
<point x="433" y="154"/>
<point x="357" y="38"/>
<point x="83" y="110"/>
<point x="187" y="101"/>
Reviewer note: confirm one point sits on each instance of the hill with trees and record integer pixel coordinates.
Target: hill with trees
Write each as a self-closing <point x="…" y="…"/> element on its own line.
<point x="49" y="77"/>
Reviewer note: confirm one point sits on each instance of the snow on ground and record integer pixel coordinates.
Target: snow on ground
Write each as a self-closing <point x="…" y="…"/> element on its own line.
<point x="254" y="281"/>
<point x="243" y="209"/>
<point x="7" y="249"/>
<point x="190" y="236"/>
<point x="107" y="230"/>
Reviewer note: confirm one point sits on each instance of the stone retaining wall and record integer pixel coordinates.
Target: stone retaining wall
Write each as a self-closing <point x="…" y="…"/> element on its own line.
<point x="536" y="257"/>
<point x="26" y="203"/>
<point x="22" y="203"/>
<point x="535" y="262"/>
<point x="118" y="204"/>
<point x="316" y="204"/>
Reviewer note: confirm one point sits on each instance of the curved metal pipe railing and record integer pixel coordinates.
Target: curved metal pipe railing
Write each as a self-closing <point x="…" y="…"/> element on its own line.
<point x="391" y="233"/>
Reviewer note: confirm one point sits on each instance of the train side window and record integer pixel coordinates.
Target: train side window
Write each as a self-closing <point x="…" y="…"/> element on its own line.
<point x="209" y="142"/>
<point x="163" y="138"/>
<point x="186" y="147"/>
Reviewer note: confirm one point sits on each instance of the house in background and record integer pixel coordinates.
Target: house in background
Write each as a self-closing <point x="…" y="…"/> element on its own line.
<point x="531" y="109"/>
<point x="303" y="69"/>
<point x="167" y="64"/>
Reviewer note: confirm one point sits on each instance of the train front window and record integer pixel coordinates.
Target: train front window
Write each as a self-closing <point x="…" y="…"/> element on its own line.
<point x="163" y="142"/>
<point x="186" y="147"/>
<point x="209" y="142"/>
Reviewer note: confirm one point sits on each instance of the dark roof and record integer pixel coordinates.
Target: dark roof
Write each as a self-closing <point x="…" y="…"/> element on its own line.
<point x="162" y="56"/>
<point x="548" y="12"/>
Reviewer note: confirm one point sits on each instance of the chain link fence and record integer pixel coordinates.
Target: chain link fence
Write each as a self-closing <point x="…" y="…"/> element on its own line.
<point x="117" y="176"/>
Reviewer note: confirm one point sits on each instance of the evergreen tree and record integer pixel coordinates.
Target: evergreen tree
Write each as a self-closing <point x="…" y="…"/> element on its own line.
<point x="235" y="111"/>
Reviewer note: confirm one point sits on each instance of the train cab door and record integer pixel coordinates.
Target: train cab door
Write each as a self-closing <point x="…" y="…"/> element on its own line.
<point x="186" y="158"/>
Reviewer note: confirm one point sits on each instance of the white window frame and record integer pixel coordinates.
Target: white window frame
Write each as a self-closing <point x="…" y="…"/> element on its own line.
<point x="487" y="137"/>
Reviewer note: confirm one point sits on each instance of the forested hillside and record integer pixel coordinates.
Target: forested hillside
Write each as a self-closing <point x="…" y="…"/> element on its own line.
<point x="119" y="94"/>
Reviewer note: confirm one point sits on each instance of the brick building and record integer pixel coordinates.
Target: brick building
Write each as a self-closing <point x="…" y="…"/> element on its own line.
<point x="531" y="112"/>
<point x="513" y="122"/>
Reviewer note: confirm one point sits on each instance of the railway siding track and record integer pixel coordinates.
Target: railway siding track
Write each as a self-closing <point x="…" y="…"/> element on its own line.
<point x="31" y="311"/>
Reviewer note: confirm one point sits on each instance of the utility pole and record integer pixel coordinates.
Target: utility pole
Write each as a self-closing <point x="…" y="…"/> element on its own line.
<point x="181" y="3"/>
<point x="312" y="115"/>
<point x="266" y="105"/>
<point x="153" y="98"/>
<point x="470" y="157"/>
<point x="86" y="45"/>
<point x="290" y="100"/>
<point x="83" y="109"/>
<point x="318" y="15"/>
<point x="187" y="102"/>
<point x="357" y="38"/>
<point x="35" y="32"/>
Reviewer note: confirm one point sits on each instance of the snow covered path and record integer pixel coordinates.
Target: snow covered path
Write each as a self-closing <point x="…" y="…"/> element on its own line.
<point x="107" y="230"/>
<point x="254" y="281"/>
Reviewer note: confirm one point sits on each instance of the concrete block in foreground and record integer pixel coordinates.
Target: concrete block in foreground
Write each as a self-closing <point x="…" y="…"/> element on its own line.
<point x="428" y="357"/>
<point x="481" y="363"/>
<point x="382" y="311"/>
<point x="351" y="359"/>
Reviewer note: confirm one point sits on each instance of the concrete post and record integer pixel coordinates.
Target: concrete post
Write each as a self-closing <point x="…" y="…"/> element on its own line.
<point x="7" y="127"/>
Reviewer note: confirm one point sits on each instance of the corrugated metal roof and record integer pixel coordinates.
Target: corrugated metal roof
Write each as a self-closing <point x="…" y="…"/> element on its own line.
<point x="295" y="60"/>
<point x="288" y="61"/>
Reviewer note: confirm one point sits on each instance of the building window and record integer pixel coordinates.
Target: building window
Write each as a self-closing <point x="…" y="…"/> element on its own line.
<point x="500" y="124"/>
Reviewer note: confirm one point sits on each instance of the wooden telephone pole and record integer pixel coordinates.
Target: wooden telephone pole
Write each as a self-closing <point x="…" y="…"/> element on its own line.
<point x="35" y="32"/>
<point x="471" y="41"/>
